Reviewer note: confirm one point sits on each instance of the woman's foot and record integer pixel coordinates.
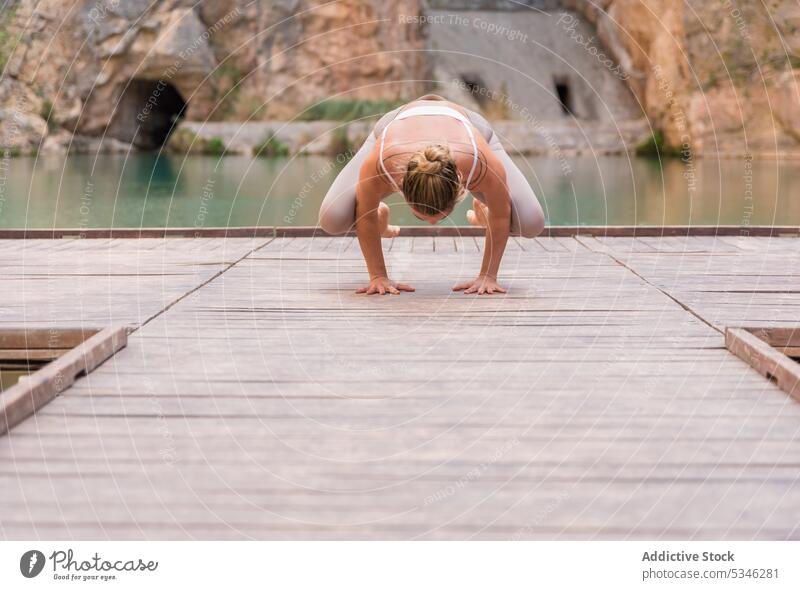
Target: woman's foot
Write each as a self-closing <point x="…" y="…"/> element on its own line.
<point x="387" y="231"/>
<point x="479" y="214"/>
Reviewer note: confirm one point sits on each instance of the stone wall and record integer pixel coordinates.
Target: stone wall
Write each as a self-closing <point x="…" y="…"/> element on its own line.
<point x="716" y="76"/>
<point x="77" y="61"/>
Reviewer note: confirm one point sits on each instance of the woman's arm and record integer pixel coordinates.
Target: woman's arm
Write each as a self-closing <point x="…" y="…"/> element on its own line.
<point x="370" y="191"/>
<point x="495" y="191"/>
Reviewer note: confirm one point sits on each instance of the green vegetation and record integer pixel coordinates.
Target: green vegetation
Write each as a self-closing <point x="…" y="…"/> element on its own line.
<point x="710" y="82"/>
<point x="228" y="79"/>
<point x="340" y="144"/>
<point x="215" y="147"/>
<point x="182" y="141"/>
<point x="46" y="113"/>
<point x="7" y="40"/>
<point x="497" y="106"/>
<point x="271" y="147"/>
<point x="11" y="152"/>
<point x="348" y="110"/>
<point x="654" y="147"/>
<point x="185" y="141"/>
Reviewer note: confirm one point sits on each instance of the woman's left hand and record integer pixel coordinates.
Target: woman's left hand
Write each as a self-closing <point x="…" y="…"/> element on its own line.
<point x="482" y="285"/>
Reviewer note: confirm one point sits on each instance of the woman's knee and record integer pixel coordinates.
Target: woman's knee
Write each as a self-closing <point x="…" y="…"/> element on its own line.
<point x="532" y="228"/>
<point x="333" y="221"/>
<point x="531" y="224"/>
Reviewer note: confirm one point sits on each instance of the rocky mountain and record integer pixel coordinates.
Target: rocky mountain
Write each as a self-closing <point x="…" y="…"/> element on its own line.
<point x="712" y="77"/>
<point x="126" y="68"/>
<point x="715" y="77"/>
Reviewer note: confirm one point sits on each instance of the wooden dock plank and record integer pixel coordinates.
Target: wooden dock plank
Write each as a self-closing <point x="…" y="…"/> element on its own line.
<point x="273" y="402"/>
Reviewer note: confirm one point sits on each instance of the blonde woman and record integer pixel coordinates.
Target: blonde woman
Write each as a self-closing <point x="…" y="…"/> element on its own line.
<point x="434" y="152"/>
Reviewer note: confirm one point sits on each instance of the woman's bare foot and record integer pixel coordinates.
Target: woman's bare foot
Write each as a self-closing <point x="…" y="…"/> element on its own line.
<point x="387" y="231"/>
<point x="479" y="214"/>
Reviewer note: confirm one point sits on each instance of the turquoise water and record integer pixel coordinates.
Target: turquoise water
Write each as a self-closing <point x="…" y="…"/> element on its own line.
<point x="145" y="190"/>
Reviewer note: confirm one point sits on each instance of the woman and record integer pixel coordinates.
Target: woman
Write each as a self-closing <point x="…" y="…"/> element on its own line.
<point x="433" y="151"/>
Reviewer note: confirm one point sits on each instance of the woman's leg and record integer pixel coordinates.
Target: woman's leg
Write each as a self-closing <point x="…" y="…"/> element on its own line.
<point x="527" y="217"/>
<point x="337" y="214"/>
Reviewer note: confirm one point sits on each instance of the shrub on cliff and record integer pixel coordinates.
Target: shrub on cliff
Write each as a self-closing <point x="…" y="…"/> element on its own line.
<point x="271" y="147"/>
<point x="348" y="110"/>
<point x="185" y="141"/>
<point x="340" y="144"/>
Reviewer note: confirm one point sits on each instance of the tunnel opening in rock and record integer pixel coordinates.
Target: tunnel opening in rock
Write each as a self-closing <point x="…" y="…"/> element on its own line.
<point x="476" y="87"/>
<point x="147" y="113"/>
<point x="564" y="95"/>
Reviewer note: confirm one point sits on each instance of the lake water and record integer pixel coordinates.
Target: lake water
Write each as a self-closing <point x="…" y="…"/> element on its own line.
<point x="145" y="190"/>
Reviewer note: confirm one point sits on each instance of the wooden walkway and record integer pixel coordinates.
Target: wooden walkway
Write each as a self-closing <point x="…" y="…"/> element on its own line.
<point x="259" y="397"/>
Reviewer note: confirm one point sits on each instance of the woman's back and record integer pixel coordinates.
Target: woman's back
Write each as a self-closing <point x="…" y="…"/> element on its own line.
<point x="420" y="124"/>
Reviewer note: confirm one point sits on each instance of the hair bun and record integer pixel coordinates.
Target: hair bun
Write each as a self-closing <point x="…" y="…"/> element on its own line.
<point x="431" y="160"/>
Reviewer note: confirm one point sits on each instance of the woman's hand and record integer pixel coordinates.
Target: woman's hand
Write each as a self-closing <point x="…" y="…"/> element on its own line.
<point x="382" y="286"/>
<point x="484" y="284"/>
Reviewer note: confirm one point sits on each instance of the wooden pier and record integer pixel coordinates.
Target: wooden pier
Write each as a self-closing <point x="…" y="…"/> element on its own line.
<point x="259" y="398"/>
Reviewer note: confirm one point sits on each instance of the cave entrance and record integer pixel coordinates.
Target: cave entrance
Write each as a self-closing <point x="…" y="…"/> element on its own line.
<point x="564" y="95"/>
<point x="146" y="113"/>
<point x="475" y="85"/>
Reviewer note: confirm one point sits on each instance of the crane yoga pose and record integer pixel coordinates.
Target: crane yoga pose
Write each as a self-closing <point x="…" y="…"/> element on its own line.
<point x="434" y="175"/>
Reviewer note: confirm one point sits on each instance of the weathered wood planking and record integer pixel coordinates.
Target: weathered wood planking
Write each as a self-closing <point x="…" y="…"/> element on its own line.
<point x="273" y="402"/>
<point x="33" y="392"/>
<point x="757" y="284"/>
<point x="97" y="283"/>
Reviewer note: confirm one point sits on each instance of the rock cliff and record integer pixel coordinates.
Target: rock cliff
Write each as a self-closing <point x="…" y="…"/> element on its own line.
<point x="718" y="77"/>
<point x="126" y="69"/>
<point x="714" y="77"/>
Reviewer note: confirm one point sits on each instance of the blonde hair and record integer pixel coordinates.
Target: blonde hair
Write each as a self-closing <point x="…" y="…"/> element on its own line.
<point x="431" y="185"/>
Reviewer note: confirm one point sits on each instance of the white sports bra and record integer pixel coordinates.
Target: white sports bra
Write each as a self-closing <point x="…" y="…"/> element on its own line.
<point x="431" y="110"/>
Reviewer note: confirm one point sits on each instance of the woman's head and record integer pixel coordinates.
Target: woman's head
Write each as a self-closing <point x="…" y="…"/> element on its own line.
<point x="431" y="184"/>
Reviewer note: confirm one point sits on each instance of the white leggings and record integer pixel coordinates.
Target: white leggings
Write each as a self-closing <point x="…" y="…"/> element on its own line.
<point x="337" y="214"/>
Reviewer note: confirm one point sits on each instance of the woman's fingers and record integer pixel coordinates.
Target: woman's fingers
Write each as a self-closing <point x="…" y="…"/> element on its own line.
<point x="468" y="287"/>
<point x="383" y="287"/>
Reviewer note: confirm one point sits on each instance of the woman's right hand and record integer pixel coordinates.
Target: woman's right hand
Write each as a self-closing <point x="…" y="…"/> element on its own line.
<point x="382" y="286"/>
